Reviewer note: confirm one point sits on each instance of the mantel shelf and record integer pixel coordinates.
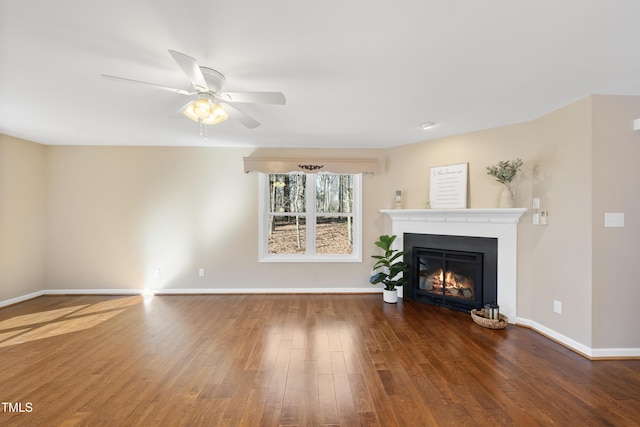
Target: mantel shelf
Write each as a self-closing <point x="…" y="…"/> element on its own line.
<point x="503" y="215"/>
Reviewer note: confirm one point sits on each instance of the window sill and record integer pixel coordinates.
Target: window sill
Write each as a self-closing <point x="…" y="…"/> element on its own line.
<point x="316" y="258"/>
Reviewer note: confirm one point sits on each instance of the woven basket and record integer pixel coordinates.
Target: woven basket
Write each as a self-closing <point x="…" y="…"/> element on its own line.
<point x="501" y="323"/>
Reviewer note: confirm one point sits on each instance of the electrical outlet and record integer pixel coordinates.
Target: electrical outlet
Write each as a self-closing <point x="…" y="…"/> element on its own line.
<point x="614" y="219"/>
<point x="201" y="272"/>
<point x="557" y="307"/>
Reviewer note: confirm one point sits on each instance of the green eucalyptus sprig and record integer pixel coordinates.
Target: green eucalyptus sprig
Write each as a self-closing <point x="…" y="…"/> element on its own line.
<point x="505" y="170"/>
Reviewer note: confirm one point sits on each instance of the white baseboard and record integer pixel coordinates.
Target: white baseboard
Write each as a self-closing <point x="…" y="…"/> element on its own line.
<point x="550" y="333"/>
<point x="588" y="352"/>
<point x="269" y="291"/>
<point x="194" y="291"/>
<point x="93" y="292"/>
<point x="21" y="298"/>
<point x="615" y="353"/>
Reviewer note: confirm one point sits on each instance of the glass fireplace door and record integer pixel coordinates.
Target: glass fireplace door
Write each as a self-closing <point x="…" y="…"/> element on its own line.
<point x="452" y="276"/>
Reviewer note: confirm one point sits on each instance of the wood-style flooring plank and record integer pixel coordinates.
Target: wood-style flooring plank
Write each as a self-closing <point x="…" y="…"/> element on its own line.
<point x="285" y="360"/>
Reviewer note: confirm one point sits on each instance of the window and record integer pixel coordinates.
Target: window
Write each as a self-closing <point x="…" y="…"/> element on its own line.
<point x="310" y="217"/>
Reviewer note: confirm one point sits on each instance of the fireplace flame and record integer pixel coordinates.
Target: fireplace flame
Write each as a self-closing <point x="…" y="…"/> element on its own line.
<point x="454" y="285"/>
<point x="447" y="278"/>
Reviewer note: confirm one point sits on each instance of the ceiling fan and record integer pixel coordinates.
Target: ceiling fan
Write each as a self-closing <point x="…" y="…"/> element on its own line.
<point x="210" y="104"/>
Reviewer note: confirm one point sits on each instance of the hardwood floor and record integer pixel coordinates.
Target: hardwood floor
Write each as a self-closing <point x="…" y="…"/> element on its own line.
<point x="283" y="360"/>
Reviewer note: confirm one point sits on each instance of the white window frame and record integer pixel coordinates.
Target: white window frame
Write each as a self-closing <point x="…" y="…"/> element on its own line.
<point x="311" y="215"/>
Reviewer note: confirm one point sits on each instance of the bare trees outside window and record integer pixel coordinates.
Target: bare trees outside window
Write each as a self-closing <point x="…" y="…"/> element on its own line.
<point x="334" y="196"/>
<point x="311" y="214"/>
<point x="287" y="213"/>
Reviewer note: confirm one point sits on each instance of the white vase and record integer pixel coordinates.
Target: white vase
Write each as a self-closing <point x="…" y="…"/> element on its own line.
<point x="507" y="198"/>
<point x="390" y="296"/>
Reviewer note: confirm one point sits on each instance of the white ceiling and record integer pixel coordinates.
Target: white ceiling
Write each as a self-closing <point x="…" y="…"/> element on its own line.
<point x="356" y="73"/>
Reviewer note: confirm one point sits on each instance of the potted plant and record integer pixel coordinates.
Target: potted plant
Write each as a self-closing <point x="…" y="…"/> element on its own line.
<point x="504" y="172"/>
<point x="392" y="266"/>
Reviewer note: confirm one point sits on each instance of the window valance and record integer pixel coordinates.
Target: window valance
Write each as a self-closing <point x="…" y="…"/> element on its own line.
<point x="286" y="165"/>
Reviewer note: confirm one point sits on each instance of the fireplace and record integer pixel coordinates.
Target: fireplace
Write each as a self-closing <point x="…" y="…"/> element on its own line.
<point x="458" y="272"/>
<point x="500" y="224"/>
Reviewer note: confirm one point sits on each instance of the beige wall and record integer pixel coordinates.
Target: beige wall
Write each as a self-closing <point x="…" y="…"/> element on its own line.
<point x="22" y="217"/>
<point x="616" y="188"/>
<point x="560" y="253"/>
<point x="118" y="213"/>
<point x="113" y="214"/>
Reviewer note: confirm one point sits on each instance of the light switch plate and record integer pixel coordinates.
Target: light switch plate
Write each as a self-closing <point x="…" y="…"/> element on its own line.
<point x="613" y="219"/>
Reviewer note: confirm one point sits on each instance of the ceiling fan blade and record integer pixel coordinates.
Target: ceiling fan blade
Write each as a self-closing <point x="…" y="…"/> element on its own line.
<point x="152" y="85"/>
<point x="191" y="68"/>
<point x="240" y="116"/>
<point x="256" y="97"/>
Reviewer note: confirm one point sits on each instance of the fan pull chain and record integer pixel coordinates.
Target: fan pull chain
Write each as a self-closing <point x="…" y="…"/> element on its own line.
<point x="203" y="129"/>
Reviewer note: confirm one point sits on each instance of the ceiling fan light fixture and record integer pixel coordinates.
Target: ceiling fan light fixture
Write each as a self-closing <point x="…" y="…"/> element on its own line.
<point x="202" y="108"/>
<point x="217" y="115"/>
<point x="205" y="111"/>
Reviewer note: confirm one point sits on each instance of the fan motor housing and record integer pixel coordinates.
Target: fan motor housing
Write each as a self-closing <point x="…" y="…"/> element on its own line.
<point x="215" y="79"/>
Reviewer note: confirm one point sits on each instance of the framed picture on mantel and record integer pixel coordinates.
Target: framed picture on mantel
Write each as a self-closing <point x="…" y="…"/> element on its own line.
<point x="448" y="186"/>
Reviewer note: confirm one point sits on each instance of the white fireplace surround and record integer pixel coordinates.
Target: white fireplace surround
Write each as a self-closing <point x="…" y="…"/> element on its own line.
<point x="496" y="223"/>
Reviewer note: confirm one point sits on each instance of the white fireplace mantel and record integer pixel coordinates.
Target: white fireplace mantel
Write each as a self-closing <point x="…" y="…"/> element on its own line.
<point x="495" y="223"/>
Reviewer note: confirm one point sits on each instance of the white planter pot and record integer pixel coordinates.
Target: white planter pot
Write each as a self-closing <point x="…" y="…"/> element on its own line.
<point x="390" y="296"/>
<point x="507" y="198"/>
